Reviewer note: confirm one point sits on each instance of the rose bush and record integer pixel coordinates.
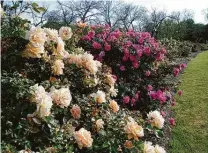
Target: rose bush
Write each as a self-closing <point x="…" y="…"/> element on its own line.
<point x="58" y="97"/>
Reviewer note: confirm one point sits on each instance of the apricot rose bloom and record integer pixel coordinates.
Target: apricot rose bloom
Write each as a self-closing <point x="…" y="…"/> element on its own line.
<point x="156" y="119"/>
<point x="36" y="36"/>
<point x="32" y="51"/>
<point x="65" y="33"/>
<point x="99" y="124"/>
<point x="83" y="138"/>
<point x="61" y="97"/>
<point x="133" y="129"/>
<point x="110" y="80"/>
<point x="58" y="67"/>
<point x="114" y="106"/>
<point x="100" y="97"/>
<point x="76" y="111"/>
<point x="51" y="34"/>
<point x="148" y="148"/>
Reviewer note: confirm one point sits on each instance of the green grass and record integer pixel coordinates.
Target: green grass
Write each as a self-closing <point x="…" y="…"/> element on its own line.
<point x="191" y="132"/>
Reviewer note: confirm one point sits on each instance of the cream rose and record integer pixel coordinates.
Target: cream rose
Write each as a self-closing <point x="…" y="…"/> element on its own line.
<point x="44" y="106"/>
<point x="110" y="80"/>
<point x="51" y="34"/>
<point x="156" y="119"/>
<point x="36" y="36"/>
<point x="65" y="33"/>
<point x="148" y="148"/>
<point x="100" y="97"/>
<point x="33" y="52"/>
<point x="99" y="124"/>
<point x="58" y="67"/>
<point x="133" y="130"/>
<point x="83" y="138"/>
<point x="114" y="106"/>
<point x="159" y="149"/>
<point x="76" y="111"/>
<point x="61" y="97"/>
<point x="37" y="93"/>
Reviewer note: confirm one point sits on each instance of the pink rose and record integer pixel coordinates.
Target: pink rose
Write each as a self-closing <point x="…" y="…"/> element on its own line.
<point x="133" y="101"/>
<point x="107" y="47"/>
<point x="180" y="92"/>
<point x="135" y="64"/>
<point x="153" y="95"/>
<point x="122" y="68"/>
<point x="91" y="34"/>
<point x="139" y="53"/>
<point x="183" y="66"/>
<point x="160" y="96"/>
<point x="172" y="121"/>
<point x="96" y="45"/>
<point x="149" y="88"/>
<point x="147" y="51"/>
<point x="176" y="72"/>
<point x="126" y="99"/>
<point x="147" y="73"/>
<point x="137" y="95"/>
<point x="163" y="113"/>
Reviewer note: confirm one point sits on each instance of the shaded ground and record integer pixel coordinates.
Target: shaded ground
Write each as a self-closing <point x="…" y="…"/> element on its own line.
<point x="191" y="113"/>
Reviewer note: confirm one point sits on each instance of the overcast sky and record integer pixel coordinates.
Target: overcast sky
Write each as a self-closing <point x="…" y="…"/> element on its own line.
<point x="176" y="5"/>
<point x="169" y="5"/>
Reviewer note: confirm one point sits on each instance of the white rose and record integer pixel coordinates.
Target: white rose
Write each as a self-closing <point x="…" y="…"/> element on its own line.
<point x="37" y="93"/>
<point x="51" y="34"/>
<point x="99" y="124"/>
<point x="61" y="97"/>
<point x="100" y="97"/>
<point x="159" y="149"/>
<point x="65" y="33"/>
<point x="58" y="67"/>
<point x="148" y="148"/>
<point x="156" y="119"/>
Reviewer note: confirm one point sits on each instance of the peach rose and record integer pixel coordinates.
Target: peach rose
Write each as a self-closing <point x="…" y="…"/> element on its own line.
<point x="76" y="111"/>
<point x="114" y="106"/>
<point x="83" y="138"/>
<point x="110" y="80"/>
<point x="32" y="51"/>
<point x="58" y="67"/>
<point x="36" y="36"/>
<point x="99" y="124"/>
<point x="133" y="130"/>
<point x="128" y="144"/>
<point x="65" y="33"/>
<point x="51" y="34"/>
<point x="100" y="97"/>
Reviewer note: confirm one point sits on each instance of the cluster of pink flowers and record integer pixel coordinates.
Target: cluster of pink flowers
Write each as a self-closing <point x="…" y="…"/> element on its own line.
<point x="179" y="68"/>
<point x="134" y="45"/>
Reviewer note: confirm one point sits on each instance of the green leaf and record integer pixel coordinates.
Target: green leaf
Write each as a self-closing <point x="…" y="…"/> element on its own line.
<point x="42" y="9"/>
<point x="34" y="5"/>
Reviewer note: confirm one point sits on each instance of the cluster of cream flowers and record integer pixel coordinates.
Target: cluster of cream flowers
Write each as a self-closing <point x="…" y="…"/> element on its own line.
<point x="133" y="129"/>
<point x="85" y="60"/>
<point x="156" y="119"/>
<point x="43" y="99"/>
<point x="149" y="148"/>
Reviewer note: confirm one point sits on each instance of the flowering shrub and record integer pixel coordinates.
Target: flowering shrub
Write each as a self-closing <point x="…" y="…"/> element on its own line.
<point x="138" y="61"/>
<point x="59" y="97"/>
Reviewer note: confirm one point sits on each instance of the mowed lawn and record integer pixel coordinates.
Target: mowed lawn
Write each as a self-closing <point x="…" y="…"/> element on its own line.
<point x="191" y="112"/>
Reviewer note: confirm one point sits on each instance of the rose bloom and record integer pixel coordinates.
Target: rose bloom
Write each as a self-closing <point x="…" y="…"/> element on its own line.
<point x="156" y="119"/>
<point x="147" y="73"/>
<point x="58" y="67"/>
<point x="128" y="144"/>
<point x="107" y="47"/>
<point x="61" y="97"/>
<point x="76" y="111"/>
<point x="110" y="80"/>
<point x="37" y="93"/>
<point x="133" y="130"/>
<point x="126" y="99"/>
<point x="51" y="34"/>
<point x="172" y="121"/>
<point x="180" y="92"/>
<point x="148" y="148"/>
<point x="36" y="36"/>
<point x="159" y="149"/>
<point x="176" y="72"/>
<point x="44" y="106"/>
<point x="122" y="68"/>
<point x="100" y="97"/>
<point x="60" y="50"/>
<point x="32" y="51"/>
<point x="114" y="106"/>
<point x="96" y="45"/>
<point x="99" y="124"/>
<point x="65" y="33"/>
<point x="83" y="138"/>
